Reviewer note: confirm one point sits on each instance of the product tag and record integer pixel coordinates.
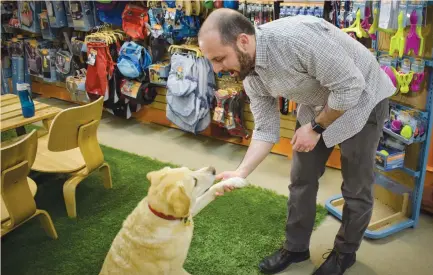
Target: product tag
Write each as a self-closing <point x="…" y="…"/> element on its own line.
<point x="230" y="121"/>
<point x="22" y="86"/>
<point x="91" y="58"/>
<point x="218" y="115"/>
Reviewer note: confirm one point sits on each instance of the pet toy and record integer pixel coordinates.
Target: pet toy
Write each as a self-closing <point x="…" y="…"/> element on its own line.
<point x="375" y="26"/>
<point x="398" y="41"/>
<point x="406" y="132"/>
<point x="365" y="24"/>
<point x="403" y="80"/>
<point x="384" y="153"/>
<point x="413" y="41"/>
<point x="416" y="81"/>
<point x="356" y="27"/>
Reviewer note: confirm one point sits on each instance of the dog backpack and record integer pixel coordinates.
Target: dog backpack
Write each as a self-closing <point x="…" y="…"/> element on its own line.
<point x="28" y="13"/>
<point x="111" y="13"/>
<point x="57" y="14"/>
<point x="134" y="21"/>
<point x="141" y="93"/>
<point x="133" y="60"/>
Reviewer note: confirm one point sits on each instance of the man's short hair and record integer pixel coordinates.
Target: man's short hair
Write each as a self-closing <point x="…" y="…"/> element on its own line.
<point x="230" y="25"/>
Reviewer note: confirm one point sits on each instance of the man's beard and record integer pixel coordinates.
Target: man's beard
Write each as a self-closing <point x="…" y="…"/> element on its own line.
<point x="246" y="63"/>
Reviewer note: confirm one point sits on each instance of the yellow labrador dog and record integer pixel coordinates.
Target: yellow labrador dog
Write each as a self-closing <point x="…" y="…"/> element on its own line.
<point x="155" y="237"/>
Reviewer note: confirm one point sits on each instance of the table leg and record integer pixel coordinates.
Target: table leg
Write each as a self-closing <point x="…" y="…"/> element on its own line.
<point x="20" y="131"/>
<point x="47" y="123"/>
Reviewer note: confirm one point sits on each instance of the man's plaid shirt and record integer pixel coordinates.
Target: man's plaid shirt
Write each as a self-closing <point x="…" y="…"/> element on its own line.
<point x="312" y="62"/>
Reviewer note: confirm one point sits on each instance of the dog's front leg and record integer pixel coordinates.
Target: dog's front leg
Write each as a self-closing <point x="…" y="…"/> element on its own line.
<point x="210" y="195"/>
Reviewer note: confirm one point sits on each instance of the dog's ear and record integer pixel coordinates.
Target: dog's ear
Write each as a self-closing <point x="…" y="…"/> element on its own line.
<point x="155" y="176"/>
<point x="179" y="200"/>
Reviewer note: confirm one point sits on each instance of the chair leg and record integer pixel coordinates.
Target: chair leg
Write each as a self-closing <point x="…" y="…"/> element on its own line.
<point x="106" y="175"/>
<point x="47" y="223"/>
<point x="69" y="195"/>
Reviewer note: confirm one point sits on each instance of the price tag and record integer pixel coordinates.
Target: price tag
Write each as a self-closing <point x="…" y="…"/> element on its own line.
<point x="218" y="115"/>
<point x="91" y="57"/>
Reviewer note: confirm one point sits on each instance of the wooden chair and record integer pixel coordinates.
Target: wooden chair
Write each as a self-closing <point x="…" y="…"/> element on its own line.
<point x="17" y="190"/>
<point x="72" y="147"/>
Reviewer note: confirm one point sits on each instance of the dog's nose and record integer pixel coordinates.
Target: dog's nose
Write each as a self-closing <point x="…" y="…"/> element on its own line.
<point x="212" y="170"/>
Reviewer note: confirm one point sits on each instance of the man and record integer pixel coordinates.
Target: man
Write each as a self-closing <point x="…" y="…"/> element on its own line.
<point x="342" y="94"/>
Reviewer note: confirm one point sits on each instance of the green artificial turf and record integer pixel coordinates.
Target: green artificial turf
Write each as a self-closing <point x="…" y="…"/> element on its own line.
<point x="6" y="135"/>
<point x="231" y="235"/>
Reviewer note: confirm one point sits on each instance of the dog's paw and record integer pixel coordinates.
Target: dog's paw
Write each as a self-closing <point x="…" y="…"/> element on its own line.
<point x="236" y="182"/>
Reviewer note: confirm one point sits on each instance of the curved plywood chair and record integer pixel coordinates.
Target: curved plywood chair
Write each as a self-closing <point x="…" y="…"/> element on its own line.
<point x="72" y="147"/>
<point x="17" y="190"/>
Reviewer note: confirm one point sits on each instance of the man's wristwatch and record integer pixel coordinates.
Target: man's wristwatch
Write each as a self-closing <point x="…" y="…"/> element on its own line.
<point x="316" y="127"/>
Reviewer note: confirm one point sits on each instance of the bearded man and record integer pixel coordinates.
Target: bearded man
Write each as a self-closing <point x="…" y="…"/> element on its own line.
<point x="342" y="95"/>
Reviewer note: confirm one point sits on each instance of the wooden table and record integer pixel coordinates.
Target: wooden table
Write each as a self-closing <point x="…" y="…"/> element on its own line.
<point x="12" y="118"/>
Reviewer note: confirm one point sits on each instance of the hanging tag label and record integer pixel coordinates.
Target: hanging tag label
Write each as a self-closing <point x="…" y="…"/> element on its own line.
<point x="230" y="121"/>
<point x="218" y="115"/>
<point x="22" y="86"/>
<point x="91" y="58"/>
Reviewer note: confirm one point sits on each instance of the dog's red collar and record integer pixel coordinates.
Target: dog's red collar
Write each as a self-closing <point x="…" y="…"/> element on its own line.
<point x="163" y="216"/>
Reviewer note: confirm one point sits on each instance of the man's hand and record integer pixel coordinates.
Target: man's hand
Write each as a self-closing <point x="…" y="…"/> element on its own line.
<point x="226" y="175"/>
<point x="305" y="139"/>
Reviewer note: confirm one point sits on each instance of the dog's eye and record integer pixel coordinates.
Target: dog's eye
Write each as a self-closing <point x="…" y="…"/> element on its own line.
<point x="195" y="182"/>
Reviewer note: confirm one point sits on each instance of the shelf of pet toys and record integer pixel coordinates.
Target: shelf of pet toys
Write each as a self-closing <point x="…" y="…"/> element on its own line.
<point x="401" y="158"/>
<point x="428" y="62"/>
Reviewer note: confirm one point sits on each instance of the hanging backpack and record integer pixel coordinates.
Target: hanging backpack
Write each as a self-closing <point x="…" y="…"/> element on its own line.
<point x="57" y="14"/>
<point x="141" y="93"/>
<point x="159" y="48"/>
<point x="134" y="20"/>
<point x="28" y="14"/>
<point x="111" y="12"/>
<point x="133" y="60"/>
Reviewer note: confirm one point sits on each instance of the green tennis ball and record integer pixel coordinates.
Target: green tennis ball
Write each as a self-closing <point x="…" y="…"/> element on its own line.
<point x="406" y="132"/>
<point x="385" y="153"/>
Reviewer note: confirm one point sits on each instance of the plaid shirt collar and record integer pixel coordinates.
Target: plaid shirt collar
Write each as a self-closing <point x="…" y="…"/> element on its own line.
<point x="261" y="50"/>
